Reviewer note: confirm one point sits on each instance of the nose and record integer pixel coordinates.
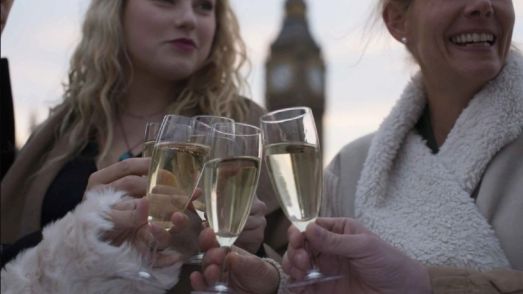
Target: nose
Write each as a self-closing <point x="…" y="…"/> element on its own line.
<point x="185" y="17"/>
<point x="479" y="8"/>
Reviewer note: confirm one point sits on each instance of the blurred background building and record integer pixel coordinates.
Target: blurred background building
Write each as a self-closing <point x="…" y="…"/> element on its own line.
<point x="295" y="70"/>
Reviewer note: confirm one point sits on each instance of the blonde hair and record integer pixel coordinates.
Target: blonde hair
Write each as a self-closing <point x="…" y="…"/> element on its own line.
<point x="100" y="68"/>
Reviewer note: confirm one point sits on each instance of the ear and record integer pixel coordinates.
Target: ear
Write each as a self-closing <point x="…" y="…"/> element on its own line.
<point x="394" y="16"/>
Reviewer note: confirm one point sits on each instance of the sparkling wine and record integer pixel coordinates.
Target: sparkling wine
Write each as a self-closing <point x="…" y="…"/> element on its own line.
<point x="230" y="185"/>
<point x="174" y="171"/>
<point x="296" y="173"/>
<point x="148" y="148"/>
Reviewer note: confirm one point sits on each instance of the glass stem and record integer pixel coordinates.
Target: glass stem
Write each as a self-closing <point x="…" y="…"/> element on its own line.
<point x="224" y="279"/>
<point x="313" y="264"/>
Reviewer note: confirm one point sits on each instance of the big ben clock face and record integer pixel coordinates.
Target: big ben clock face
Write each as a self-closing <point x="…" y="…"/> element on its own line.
<point x="280" y="77"/>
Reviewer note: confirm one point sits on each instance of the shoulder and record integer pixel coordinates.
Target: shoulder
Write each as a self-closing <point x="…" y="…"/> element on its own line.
<point x="252" y="105"/>
<point x="503" y="168"/>
<point x="359" y="145"/>
<point x="354" y="151"/>
<point x="49" y="127"/>
<point x="341" y="178"/>
<point x="252" y="110"/>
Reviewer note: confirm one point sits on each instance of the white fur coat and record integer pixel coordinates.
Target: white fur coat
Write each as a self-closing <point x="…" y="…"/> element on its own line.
<point x="72" y="259"/>
<point x="420" y="202"/>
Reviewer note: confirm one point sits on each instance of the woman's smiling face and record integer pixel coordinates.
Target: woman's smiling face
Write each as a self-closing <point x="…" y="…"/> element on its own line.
<point x="460" y="39"/>
<point x="171" y="39"/>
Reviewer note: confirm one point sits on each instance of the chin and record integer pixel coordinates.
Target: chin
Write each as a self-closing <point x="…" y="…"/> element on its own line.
<point x="482" y="72"/>
<point x="178" y="73"/>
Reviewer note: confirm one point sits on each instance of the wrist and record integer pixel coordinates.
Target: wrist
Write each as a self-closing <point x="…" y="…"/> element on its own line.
<point x="280" y="285"/>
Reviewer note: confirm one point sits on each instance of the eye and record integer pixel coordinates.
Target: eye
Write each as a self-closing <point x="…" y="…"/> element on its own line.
<point x="205" y="5"/>
<point x="166" y="1"/>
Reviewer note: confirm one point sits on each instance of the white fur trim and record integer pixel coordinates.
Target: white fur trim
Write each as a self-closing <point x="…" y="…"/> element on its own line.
<point x="420" y="202"/>
<point x="72" y="259"/>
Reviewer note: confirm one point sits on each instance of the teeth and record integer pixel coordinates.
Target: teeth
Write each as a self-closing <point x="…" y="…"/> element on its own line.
<point x="472" y="38"/>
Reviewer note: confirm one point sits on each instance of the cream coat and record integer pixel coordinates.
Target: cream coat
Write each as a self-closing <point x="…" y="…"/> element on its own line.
<point x="484" y="148"/>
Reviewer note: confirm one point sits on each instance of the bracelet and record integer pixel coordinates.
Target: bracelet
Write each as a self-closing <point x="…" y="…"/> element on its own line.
<point x="284" y="278"/>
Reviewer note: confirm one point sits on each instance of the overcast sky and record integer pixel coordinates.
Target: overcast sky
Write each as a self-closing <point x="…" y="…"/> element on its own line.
<point x="363" y="82"/>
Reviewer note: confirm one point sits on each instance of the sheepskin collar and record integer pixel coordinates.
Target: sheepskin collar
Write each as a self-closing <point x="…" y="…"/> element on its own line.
<point x="420" y="201"/>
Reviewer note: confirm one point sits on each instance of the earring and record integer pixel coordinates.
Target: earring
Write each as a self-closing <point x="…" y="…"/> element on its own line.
<point x="403" y="40"/>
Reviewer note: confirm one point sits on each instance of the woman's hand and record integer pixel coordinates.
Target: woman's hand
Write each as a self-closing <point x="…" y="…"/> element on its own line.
<point x="127" y="175"/>
<point x="129" y="217"/>
<point x="247" y="273"/>
<point x="367" y="263"/>
<point x="252" y="235"/>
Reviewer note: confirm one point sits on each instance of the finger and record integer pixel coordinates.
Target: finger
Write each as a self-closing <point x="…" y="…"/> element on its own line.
<point x="161" y="237"/>
<point x="347" y="245"/>
<point x="208" y="240"/>
<point x="166" y="259"/>
<point x="159" y="188"/>
<point x="301" y="260"/>
<point x="255" y="222"/>
<point x="258" y="207"/>
<point x="341" y="225"/>
<point x="180" y="222"/>
<point x="144" y="239"/>
<point x="198" y="281"/>
<point x="243" y="267"/>
<point x="250" y="237"/>
<point x="296" y="238"/>
<point x="293" y="271"/>
<point x="135" y="186"/>
<point x="212" y="274"/>
<point x="131" y="166"/>
<point x="130" y="218"/>
<point x="126" y="204"/>
<point x="214" y="256"/>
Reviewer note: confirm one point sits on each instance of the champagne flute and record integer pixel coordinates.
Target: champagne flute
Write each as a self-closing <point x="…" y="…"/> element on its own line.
<point x="201" y="135"/>
<point x="151" y="132"/>
<point x="175" y="167"/>
<point x="293" y="159"/>
<point x="230" y="178"/>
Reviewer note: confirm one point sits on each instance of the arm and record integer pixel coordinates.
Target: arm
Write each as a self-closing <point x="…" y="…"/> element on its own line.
<point x="445" y="280"/>
<point x="72" y="258"/>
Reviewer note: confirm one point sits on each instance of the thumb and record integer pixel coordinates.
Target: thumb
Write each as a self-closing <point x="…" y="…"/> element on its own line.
<point x="328" y="242"/>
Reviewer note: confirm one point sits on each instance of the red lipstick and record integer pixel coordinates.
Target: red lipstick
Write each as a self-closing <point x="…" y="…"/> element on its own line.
<point x="184" y="44"/>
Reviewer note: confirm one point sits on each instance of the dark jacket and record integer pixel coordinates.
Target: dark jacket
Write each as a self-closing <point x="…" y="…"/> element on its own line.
<point x="7" y="120"/>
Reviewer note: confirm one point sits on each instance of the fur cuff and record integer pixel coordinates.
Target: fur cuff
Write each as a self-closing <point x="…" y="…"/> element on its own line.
<point x="72" y="259"/>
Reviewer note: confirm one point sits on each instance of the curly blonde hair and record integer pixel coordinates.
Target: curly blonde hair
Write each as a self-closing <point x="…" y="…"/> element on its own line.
<point x="100" y="69"/>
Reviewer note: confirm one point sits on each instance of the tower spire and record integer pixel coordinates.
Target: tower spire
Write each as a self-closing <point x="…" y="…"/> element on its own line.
<point x="295" y="71"/>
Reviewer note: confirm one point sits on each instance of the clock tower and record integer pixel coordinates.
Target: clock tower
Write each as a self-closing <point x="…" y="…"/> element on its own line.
<point x="295" y="71"/>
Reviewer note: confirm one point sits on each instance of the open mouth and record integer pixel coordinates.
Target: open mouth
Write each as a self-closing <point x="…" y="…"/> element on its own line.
<point x="473" y="39"/>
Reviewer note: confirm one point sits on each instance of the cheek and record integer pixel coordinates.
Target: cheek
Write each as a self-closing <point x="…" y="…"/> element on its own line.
<point x="207" y="34"/>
